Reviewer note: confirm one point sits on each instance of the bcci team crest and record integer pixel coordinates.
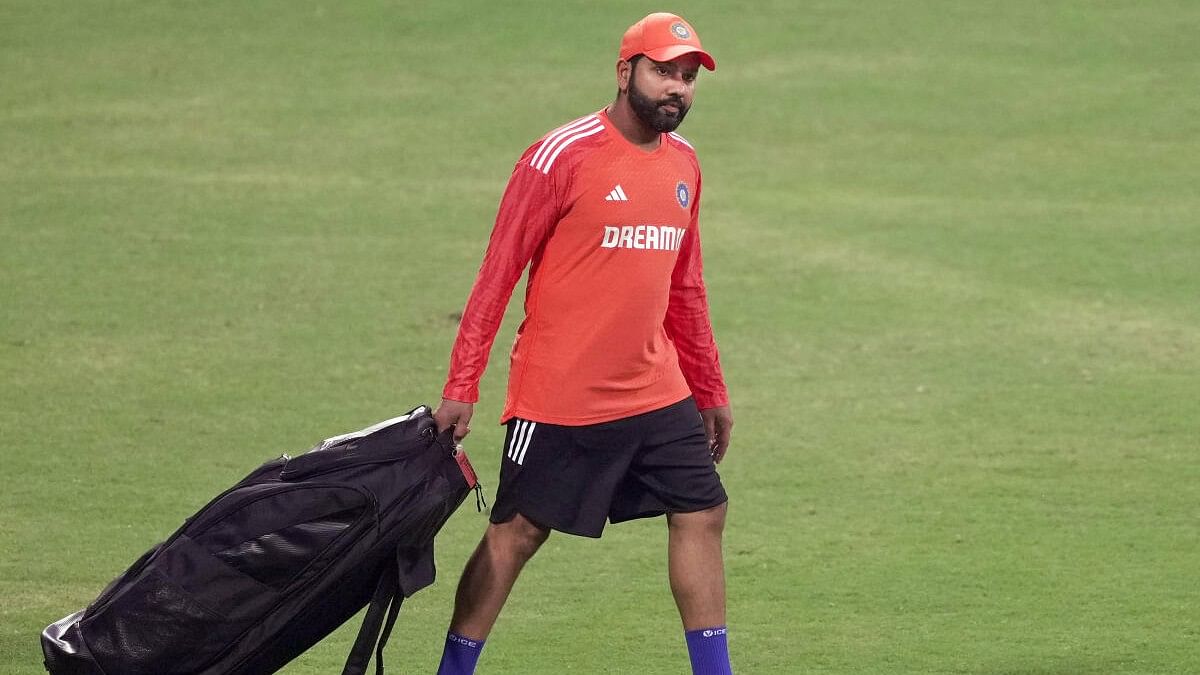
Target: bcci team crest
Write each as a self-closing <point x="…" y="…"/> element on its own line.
<point x="680" y="30"/>
<point x="682" y="194"/>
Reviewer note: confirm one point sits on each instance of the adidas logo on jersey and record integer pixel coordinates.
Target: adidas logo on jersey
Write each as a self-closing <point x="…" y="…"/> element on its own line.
<point x="617" y="195"/>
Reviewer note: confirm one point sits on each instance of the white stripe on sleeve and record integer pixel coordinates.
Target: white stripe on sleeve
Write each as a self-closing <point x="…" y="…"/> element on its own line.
<point x="558" y="135"/>
<point x="585" y="131"/>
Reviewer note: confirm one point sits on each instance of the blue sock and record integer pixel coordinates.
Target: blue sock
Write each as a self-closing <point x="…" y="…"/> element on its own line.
<point x="460" y="655"/>
<point x="709" y="651"/>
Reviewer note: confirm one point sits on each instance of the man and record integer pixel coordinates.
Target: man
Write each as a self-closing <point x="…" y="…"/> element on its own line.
<point x="616" y="406"/>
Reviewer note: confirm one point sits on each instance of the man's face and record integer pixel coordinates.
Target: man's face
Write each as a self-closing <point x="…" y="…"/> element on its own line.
<point x="660" y="92"/>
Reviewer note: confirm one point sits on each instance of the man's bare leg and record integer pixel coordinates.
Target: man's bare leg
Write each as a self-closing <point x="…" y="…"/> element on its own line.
<point x="697" y="572"/>
<point x="485" y="584"/>
<point x="491" y="572"/>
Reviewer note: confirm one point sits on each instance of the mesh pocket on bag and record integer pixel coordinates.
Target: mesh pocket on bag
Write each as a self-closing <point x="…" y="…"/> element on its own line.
<point x="157" y="626"/>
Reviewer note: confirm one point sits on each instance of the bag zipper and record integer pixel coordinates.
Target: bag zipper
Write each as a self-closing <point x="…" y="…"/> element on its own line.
<point x="345" y="462"/>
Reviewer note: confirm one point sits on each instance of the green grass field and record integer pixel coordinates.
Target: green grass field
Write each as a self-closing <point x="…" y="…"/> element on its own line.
<point x="953" y="253"/>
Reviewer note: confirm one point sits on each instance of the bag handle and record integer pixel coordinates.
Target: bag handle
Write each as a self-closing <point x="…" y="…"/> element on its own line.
<point x="386" y="601"/>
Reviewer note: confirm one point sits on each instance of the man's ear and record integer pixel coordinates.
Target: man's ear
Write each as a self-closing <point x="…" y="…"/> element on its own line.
<point x="624" y="71"/>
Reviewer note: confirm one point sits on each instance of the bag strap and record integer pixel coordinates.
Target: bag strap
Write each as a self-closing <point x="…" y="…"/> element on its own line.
<point x="384" y="608"/>
<point x="393" y="612"/>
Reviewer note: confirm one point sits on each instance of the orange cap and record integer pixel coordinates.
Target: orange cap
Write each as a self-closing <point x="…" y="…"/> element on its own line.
<point x="663" y="37"/>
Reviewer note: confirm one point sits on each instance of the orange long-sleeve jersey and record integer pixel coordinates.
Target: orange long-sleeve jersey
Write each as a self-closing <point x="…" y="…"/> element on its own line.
<point x="616" y="315"/>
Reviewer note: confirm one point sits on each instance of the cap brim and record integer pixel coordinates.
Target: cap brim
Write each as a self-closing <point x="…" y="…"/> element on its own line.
<point x="675" y="51"/>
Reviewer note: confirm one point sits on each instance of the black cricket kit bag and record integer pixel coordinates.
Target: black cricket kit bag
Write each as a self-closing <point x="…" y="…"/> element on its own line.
<point x="280" y="560"/>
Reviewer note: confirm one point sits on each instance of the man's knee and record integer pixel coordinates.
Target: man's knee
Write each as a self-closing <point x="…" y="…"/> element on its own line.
<point x="710" y="520"/>
<point x="519" y="537"/>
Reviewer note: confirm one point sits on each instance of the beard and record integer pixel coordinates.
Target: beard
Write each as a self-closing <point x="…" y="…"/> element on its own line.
<point x="650" y="112"/>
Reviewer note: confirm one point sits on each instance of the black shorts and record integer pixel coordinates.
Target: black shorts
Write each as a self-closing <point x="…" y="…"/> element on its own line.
<point x="573" y="478"/>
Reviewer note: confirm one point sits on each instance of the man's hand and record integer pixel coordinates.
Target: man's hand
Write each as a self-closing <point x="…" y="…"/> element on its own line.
<point x="718" y="423"/>
<point x="456" y="414"/>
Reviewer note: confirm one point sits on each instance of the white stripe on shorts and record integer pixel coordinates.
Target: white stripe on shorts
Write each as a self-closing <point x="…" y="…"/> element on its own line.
<point x="525" y="445"/>
<point x="519" y="443"/>
<point x="512" y="442"/>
